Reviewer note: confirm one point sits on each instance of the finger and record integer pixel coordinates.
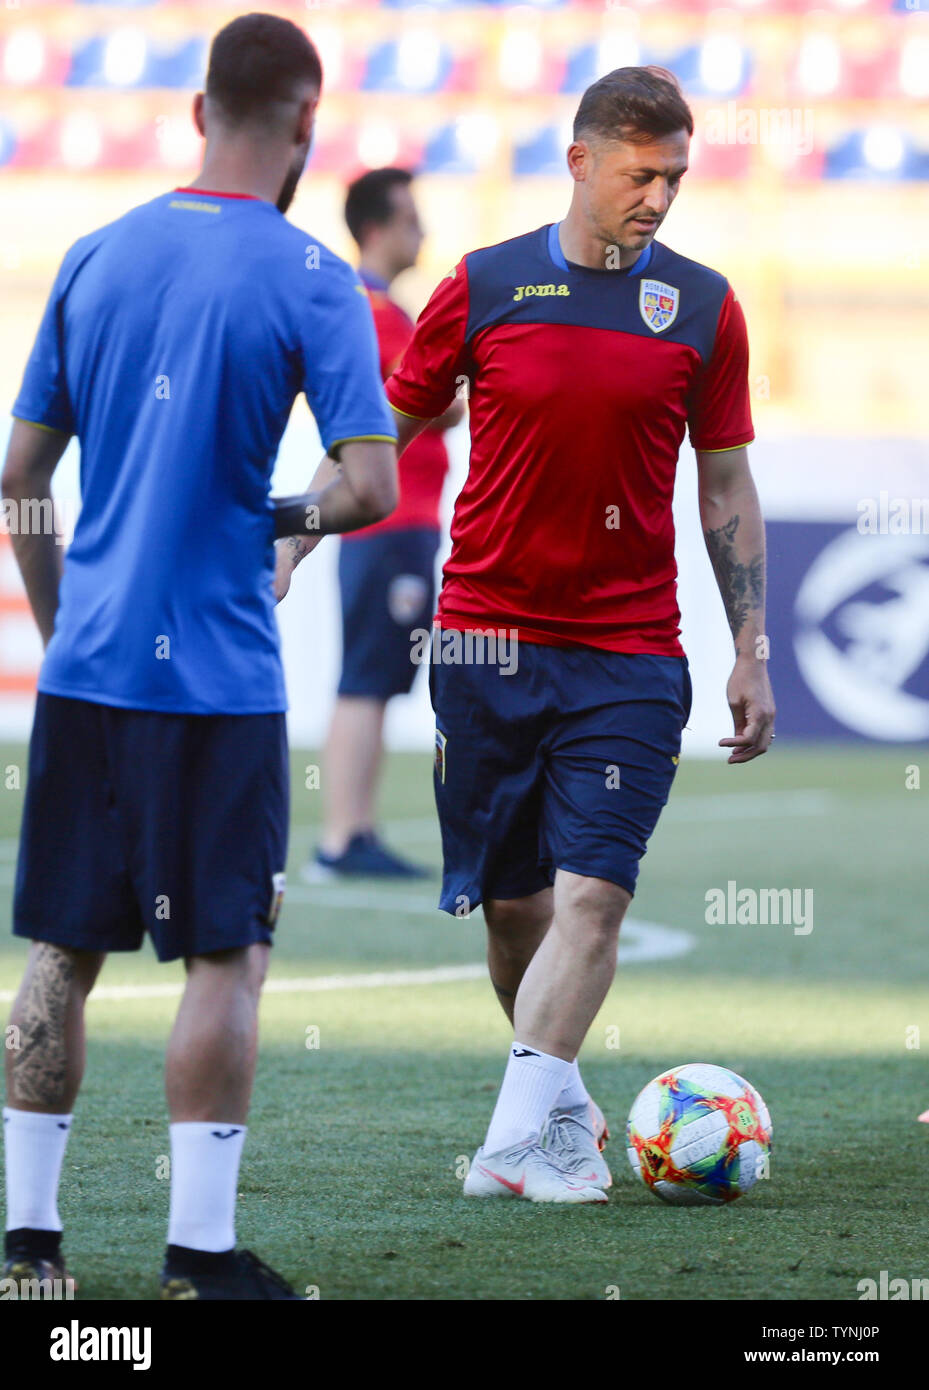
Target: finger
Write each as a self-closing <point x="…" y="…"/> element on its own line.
<point x="746" y="751"/>
<point x="745" y="755"/>
<point x="743" y="751"/>
<point x="754" y="731"/>
<point x="739" y="718"/>
<point x="753" y="728"/>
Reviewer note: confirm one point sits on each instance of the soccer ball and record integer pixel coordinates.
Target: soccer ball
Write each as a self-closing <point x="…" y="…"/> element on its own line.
<point x="699" y="1135"/>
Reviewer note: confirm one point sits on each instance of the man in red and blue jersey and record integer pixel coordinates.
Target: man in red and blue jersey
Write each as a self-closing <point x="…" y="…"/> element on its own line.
<point x="559" y="683"/>
<point x="386" y="571"/>
<point x="589" y="348"/>
<point x="173" y="346"/>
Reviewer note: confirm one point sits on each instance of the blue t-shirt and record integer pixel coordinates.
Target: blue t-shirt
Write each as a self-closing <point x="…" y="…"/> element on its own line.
<point x="174" y="344"/>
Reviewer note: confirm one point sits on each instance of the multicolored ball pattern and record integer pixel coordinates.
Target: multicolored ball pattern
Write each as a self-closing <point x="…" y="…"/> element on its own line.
<point x="699" y="1135"/>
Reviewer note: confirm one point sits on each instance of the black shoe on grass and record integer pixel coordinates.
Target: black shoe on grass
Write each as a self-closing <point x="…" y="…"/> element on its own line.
<point x="231" y="1274"/>
<point x="34" y="1260"/>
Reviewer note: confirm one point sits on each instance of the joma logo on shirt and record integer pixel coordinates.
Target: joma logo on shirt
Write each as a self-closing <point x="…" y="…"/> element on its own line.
<point x="524" y="291"/>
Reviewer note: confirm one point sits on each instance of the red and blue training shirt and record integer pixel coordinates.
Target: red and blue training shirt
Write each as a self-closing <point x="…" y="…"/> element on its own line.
<point x="581" y="385"/>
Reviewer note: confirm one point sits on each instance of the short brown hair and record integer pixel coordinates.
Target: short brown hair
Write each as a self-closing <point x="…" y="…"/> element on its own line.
<point x="633" y="104"/>
<point x="257" y="61"/>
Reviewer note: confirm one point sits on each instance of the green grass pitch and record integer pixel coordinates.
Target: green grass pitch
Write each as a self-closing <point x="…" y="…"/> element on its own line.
<point x="351" y="1177"/>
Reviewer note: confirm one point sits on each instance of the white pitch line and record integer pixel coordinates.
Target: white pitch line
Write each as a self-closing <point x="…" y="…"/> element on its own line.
<point x="311" y="984"/>
<point x="642" y="941"/>
<point x="314" y="984"/>
<point x="685" y="810"/>
<point x="715" y="806"/>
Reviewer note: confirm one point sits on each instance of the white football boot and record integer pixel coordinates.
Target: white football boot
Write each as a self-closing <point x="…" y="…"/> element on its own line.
<point x="525" y="1170"/>
<point x="575" y="1138"/>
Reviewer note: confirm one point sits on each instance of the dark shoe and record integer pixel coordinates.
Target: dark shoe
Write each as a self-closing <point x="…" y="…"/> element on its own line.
<point x="35" y="1261"/>
<point x="364" y="857"/>
<point x="242" y="1276"/>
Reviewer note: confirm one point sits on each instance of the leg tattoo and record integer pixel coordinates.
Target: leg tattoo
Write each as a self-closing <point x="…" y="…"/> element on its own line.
<point x="40" y="1066"/>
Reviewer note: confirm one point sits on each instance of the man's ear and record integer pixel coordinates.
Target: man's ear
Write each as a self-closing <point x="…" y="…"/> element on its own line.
<point x="198" y="114"/>
<point x="579" y="160"/>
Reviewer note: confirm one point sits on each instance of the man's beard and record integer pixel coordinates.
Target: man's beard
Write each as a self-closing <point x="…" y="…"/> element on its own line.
<point x="289" y="186"/>
<point x="288" y="189"/>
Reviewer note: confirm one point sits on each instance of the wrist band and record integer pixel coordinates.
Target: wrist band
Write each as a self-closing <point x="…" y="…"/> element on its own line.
<point x="295" y="516"/>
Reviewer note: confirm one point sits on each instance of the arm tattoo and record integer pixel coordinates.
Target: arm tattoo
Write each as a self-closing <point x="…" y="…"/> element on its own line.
<point x="504" y="993"/>
<point x="741" y="585"/>
<point x="297" y="548"/>
<point x="40" y="1066"/>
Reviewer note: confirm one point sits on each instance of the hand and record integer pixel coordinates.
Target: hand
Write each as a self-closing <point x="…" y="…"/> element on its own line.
<point x="288" y="552"/>
<point x="283" y="568"/>
<point x="752" y="703"/>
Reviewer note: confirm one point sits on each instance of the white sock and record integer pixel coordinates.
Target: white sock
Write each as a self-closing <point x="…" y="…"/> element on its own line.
<point x="532" y="1083"/>
<point x="575" y="1092"/>
<point x="205" y="1160"/>
<point x="35" y="1148"/>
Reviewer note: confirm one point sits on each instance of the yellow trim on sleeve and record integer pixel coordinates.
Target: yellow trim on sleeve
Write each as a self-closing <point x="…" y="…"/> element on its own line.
<point x="49" y="429"/>
<point x="407" y="413"/>
<point x="363" y="439"/>
<point x="744" y="445"/>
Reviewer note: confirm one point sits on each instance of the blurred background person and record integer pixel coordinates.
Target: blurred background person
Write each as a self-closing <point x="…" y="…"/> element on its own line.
<point x="386" y="571"/>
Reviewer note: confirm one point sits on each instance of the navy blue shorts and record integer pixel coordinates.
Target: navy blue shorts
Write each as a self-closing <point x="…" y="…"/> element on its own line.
<point x="135" y="822"/>
<point x="565" y="764"/>
<point x="387" y="583"/>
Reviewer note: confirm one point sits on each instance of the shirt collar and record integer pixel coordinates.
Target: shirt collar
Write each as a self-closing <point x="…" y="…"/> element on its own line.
<point x="214" y="193"/>
<point x="558" y="256"/>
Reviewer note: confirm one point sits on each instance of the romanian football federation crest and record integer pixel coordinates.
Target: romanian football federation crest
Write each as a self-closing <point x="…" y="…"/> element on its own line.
<point x="658" y="304"/>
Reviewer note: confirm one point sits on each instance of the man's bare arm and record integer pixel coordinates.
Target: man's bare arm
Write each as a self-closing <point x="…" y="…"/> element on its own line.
<point x="32" y="456"/>
<point x="449" y="418"/>
<point x="734" y="532"/>
<point x="733" y="529"/>
<point x="356" y="491"/>
<point x="292" y="549"/>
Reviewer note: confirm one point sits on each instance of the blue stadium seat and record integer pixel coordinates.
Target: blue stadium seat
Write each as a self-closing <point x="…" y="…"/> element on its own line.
<point x="184" y="66"/>
<point x="87" y="64"/>
<point x="381" y="71"/>
<point x="443" y="154"/>
<point x="685" y="64"/>
<point x="7" y="141"/>
<point x="580" y="69"/>
<point x="181" y="66"/>
<point x="542" y="154"/>
<point x="848" y="160"/>
<point x="583" y="67"/>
